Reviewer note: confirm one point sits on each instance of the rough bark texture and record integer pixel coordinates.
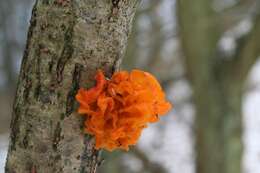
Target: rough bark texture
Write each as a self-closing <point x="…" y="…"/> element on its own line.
<point x="68" y="41"/>
<point x="217" y="85"/>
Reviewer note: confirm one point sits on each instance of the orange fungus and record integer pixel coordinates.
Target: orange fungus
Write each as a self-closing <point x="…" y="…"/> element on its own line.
<point x="117" y="110"/>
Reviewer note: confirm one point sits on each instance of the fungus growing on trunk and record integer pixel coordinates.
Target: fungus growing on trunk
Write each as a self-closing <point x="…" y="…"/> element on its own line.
<point x="117" y="110"/>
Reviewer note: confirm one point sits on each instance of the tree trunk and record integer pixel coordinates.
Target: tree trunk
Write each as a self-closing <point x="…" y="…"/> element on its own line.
<point x="216" y="91"/>
<point x="218" y="128"/>
<point x="68" y="41"/>
<point x="217" y="84"/>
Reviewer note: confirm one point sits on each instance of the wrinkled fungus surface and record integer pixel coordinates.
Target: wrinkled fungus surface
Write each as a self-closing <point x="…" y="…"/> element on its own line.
<point x="117" y="110"/>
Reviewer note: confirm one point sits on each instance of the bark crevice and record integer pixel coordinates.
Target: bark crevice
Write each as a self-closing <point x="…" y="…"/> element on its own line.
<point x="64" y="50"/>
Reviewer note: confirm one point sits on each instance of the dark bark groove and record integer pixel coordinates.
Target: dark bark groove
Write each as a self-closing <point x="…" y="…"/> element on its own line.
<point x="67" y="42"/>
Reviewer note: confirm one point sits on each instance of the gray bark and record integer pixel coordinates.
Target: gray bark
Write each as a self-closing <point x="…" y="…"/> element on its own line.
<point x="68" y="41"/>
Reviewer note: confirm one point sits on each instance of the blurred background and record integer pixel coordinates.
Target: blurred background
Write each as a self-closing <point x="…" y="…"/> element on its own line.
<point x="174" y="41"/>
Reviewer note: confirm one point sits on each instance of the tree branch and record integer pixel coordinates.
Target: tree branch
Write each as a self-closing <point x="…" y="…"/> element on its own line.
<point x="253" y="87"/>
<point x="249" y="52"/>
<point x="153" y="167"/>
<point x="240" y="6"/>
<point x="230" y="17"/>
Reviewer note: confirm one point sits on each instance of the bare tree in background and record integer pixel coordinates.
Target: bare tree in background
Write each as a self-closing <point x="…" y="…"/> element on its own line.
<point x="6" y="43"/>
<point x="217" y="79"/>
<point x="68" y="41"/>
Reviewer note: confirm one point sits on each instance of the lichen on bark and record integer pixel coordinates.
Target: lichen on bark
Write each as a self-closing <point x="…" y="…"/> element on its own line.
<point x="68" y="41"/>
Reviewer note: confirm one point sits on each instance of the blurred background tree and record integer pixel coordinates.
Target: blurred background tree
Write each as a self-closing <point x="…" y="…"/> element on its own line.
<point x="202" y="52"/>
<point x="217" y="78"/>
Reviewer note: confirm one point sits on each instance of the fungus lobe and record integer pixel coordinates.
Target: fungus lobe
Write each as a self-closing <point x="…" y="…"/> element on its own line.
<point x="117" y="110"/>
